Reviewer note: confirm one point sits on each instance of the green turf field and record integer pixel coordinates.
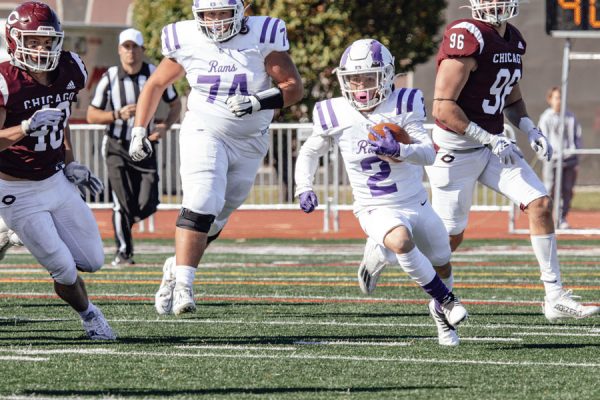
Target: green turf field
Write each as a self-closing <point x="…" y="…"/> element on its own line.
<point x="286" y="320"/>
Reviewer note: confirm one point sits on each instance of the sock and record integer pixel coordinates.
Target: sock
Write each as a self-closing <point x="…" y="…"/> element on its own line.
<point x="417" y="266"/>
<point x="545" y="250"/>
<point x="184" y="275"/>
<point x="91" y="308"/>
<point x="449" y="282"/>
<point x="437" y="290"/>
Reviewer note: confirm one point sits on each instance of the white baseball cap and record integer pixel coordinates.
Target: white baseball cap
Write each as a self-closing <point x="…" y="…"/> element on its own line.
<point x="131" y="34"/>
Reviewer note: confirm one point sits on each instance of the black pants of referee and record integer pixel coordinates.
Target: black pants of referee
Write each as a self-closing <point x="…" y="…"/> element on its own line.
<point x="134" y="188"/>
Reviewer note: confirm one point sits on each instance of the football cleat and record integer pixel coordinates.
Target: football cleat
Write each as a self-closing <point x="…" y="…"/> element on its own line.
<point x="163" y="300"/>
<point x="564" y="307"/>
<point x="96" y="327"/>
<point x="122" y="260"/>
<point x="183" y="300"/>
<point x="447" y="335"/>
<point x="371" y="266"/>
<point x="453" y="309"/>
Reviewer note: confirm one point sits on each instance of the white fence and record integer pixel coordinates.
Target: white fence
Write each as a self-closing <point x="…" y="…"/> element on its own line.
<point x="273" y="189"/>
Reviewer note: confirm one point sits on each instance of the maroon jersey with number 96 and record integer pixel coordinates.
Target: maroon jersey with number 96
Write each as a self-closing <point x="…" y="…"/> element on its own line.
<point x="499" y="68"/>
<point x="41" y="154"/>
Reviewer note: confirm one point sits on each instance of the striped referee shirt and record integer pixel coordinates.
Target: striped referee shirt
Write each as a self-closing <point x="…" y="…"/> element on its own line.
<point x="118" y="89"/>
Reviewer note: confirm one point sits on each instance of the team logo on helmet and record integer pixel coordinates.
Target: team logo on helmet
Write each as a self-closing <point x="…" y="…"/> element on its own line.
<point x="366" y="73"/>
<point x="221" y="29"/>
<point x="33" y="18"/>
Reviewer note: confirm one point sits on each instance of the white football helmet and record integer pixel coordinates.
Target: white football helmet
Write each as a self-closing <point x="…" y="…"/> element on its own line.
<point x="494" y="12"/>
<point x="219" y="30"/>
<point x="366" y="57"/>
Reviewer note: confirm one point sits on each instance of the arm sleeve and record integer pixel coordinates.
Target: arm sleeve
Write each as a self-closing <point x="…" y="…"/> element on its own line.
<point x="462" y="39"/>
<point x="308" y="162"/>
<point x="411" y="109"/>
<point x="169" y="39"/>
<point x="170" y="94"/>
<point x="102" y="93"/>
<point x="273" y="36"/>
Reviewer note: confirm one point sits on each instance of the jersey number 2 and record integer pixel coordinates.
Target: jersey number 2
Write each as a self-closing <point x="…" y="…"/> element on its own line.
<point x="384" y="172"/>
<point x="500" y="89"/>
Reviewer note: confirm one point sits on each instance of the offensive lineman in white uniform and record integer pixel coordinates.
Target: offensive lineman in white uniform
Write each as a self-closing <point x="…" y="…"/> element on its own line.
<point x="229" y="61"/>
<point x="390" y="201"/>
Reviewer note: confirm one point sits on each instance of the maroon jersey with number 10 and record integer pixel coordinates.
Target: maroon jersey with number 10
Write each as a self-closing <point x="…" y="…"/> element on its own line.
<point x="41" y="154"/>
<point x="499" y="68"/>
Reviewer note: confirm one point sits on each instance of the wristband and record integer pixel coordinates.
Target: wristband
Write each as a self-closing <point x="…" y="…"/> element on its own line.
<point x="526" y="124"/>
<point x="478" y="133"/>
<point x="270" y="99"/>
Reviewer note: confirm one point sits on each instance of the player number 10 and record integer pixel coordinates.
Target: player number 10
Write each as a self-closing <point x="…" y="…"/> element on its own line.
<point x="575" y="6"/>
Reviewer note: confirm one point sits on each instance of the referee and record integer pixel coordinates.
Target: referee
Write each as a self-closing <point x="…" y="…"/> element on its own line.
<point x="134" y="184"/>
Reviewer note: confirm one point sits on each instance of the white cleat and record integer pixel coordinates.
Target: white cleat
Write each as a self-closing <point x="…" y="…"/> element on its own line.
<point x="564" y="307"/>
<point x="183" y="300"/>
<point x="163" y="300"/>
<point x="447" y="335"/>
<point x="371" y="266"/>
<point x="454" y="311"/>
<point x="97" y="328"/>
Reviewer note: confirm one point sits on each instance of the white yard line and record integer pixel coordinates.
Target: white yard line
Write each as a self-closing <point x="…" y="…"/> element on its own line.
<point x="348" y="343"/>
<point x="22" y="358"/>
<point x="556" y="334"/>
<point x="235" y="347"/>
<point x="469" y="325"/>
<point x="284" y="356"/>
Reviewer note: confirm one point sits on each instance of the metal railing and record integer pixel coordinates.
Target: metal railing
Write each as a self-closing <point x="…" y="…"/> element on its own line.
<point x="273" y="187"/>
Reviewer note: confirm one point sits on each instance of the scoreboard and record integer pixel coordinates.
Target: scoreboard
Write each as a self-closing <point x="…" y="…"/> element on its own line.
<point x="573" y="18"/>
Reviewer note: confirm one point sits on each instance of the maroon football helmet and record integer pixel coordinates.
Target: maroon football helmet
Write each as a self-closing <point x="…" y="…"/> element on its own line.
<point x="33" y="18"/>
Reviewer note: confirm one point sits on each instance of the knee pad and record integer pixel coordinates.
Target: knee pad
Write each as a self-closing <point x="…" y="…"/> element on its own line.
<point x="64" y="275"/>
<point x="192" y="221"/>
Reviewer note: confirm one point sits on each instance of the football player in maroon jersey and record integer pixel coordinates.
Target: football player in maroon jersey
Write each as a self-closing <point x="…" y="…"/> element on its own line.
<point x="40" y="182"/>
<point x="477" y="85"/>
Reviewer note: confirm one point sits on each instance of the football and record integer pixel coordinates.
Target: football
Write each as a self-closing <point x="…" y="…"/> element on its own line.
<point x="399" y="133"/>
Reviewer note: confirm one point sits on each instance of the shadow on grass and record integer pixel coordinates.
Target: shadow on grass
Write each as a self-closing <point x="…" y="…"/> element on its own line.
<point x="233" y="390"/>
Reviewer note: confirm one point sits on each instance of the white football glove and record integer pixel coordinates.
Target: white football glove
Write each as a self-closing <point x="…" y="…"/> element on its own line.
<point x="41" y="118"/>
<point x="242" y="105"/>
<point x="505" y="150"/>
<point x="140" y="146"/>
<point x="81" y="176"/>
<point x="539" y="143"/>
<point x="8" y="238"/>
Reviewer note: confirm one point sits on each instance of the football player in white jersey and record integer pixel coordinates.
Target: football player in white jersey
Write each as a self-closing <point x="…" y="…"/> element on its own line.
<point x="386" y="176"/>
<point x="230" y="62"/>
<point x="477" y="85"/>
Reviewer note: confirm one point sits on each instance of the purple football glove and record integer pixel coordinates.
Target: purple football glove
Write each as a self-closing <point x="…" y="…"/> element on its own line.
<point x="308" y="201"/>
<point x="385" y="145"/>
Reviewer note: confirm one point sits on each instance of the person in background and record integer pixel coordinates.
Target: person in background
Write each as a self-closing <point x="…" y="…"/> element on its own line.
<point x="550" y="124"/>
<point x="134" y="184"/>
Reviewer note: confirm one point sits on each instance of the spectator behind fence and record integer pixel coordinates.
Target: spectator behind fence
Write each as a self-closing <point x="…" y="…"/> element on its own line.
<point x="550" y="125"/>
<point x="134" y="184"/>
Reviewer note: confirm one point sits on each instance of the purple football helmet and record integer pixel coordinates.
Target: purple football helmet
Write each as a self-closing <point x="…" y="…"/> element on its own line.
<point x="369" y="62"/>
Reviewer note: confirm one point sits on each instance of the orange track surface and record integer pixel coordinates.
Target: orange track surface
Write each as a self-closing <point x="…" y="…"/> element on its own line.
<point x="292" y="224"/>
